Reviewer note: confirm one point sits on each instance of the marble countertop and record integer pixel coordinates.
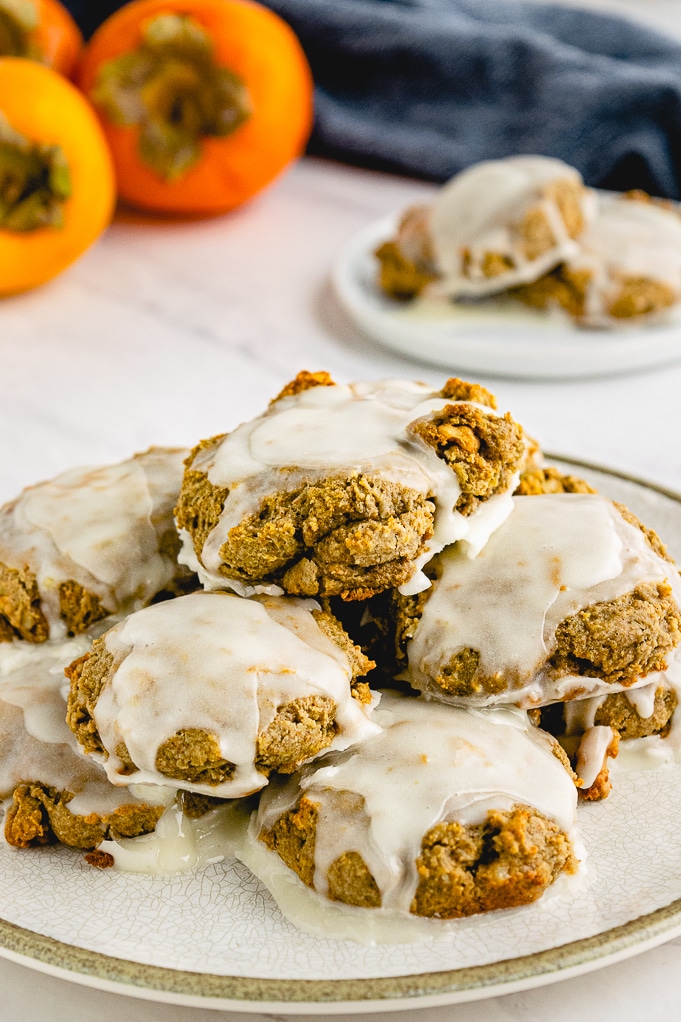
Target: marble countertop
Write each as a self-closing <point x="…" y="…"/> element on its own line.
<point x="165" y="333"/>
<point x="168" y="332"/>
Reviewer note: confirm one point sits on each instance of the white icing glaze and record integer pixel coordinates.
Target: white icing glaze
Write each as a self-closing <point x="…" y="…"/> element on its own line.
<point x="35" y="742"/>
<point x="592" y="754"/>
<point x="628" y="239"/>
<point x="650" y="753"/>
<point x="222" y="664"/>
<point x="32" y="678"/>
<point x="341" y="430"/>
<point x="479" y="211"/>
<point x="413" y="236"/>
<point x="643" y="700"/>
<point x="179" y="843"/>
<point x="431" y="763"/>
<point x="100" y="527"/>
<point x="25" y="758"/>
<point x="554" y="555"/>
<point x="580" y="714"/>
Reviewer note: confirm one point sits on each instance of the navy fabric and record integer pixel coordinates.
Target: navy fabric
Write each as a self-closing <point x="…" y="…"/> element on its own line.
<point x="427" y="87"/>
<point x="91" y="13"/>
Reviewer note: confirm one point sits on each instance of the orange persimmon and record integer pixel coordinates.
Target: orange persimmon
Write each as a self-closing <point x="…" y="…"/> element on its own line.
<point x="57" y="187"/>
<point x="203" y="102"/>
<point x="42" y="30"/>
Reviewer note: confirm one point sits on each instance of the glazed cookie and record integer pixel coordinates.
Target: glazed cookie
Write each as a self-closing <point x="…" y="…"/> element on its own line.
<point x="628" y="267"/>
<point x="495" y="225"/>
<point x="407" y="263"/>
<point x="87" y="544"/>
<point x="569" y="598"/>
<point x="590" y="730"/>
<point x="50" y="792"/>
<point x="348" y="489"/>
<point x="636" y="713"/>
<point x="445" y="813"/>
<point x="212" y="692"/>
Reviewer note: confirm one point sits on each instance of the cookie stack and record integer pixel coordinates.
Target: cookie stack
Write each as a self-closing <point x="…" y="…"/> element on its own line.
<point x="373" y="612"/>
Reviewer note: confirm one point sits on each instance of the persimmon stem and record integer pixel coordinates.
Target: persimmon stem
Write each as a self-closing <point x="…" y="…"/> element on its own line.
<point x="35" y="182"/>
<point x="173" y="89"/>
<point x="18" y="18"/>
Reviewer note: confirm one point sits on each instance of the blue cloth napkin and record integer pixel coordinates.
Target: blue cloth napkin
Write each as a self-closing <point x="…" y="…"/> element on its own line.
<point x="427" y="87"/>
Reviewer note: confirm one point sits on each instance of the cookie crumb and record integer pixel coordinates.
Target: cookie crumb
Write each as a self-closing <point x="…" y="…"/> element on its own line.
<point x="100" y="860"/>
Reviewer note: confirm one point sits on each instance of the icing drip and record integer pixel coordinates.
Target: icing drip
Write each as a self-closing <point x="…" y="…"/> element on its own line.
<point x="35" y="741"/>
<point x="555" y="554"/>
<point x="338" y="431"/>
<point x="99" y="527"/>
<point x="430" y="764"/>
<point x="179" y="844"/>
<point x="32" y="679"/>
<point x="224" y="665"/>
<point x="580" y="714"/>
<point x="593" y="753"/>
<point x="477" y="213"/>
<point x="25" y="758"/>
<point x="643" y="700"/>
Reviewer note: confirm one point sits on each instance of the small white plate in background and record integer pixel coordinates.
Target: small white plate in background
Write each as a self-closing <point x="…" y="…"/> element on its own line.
<point x="494" y="336"/>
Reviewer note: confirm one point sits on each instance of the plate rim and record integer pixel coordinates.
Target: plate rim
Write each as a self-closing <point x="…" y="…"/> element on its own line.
<point x="340" y="996"/>
<point x="294" y="996"/>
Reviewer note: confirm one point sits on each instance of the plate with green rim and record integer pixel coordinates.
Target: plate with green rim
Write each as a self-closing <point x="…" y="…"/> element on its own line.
<point x="213" y="938"/>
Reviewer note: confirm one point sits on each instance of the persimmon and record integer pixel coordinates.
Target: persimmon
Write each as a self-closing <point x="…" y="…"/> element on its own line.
<point x="57" y="186"/>
<point x="203" y="102"/>
<point x="41" y="30"/>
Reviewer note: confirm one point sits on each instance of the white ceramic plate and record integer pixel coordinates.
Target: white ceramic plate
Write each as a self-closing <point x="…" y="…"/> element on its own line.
<point x="497" y="337"/>
<point x="214" y="938"/>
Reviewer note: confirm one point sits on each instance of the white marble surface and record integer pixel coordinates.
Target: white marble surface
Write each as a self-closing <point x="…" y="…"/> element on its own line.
<point x="169" y="332"/>
<point x="166" y="333"/>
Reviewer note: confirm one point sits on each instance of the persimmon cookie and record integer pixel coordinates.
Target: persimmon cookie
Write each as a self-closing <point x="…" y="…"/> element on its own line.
<point x="53" y="793"/>
<point x="89" y="543"/>
<point x="348" y="490"/>
<point x="627" y="269"/>
<point x="445" y="813"/>
<point x="495" y="225"/>
<point x="569" y="598"/>
<point x="212" y="692"/>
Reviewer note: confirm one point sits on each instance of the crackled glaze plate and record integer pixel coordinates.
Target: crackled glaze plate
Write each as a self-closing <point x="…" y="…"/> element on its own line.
<point x="215" y="938"/>
<point x="497" y="336"/>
